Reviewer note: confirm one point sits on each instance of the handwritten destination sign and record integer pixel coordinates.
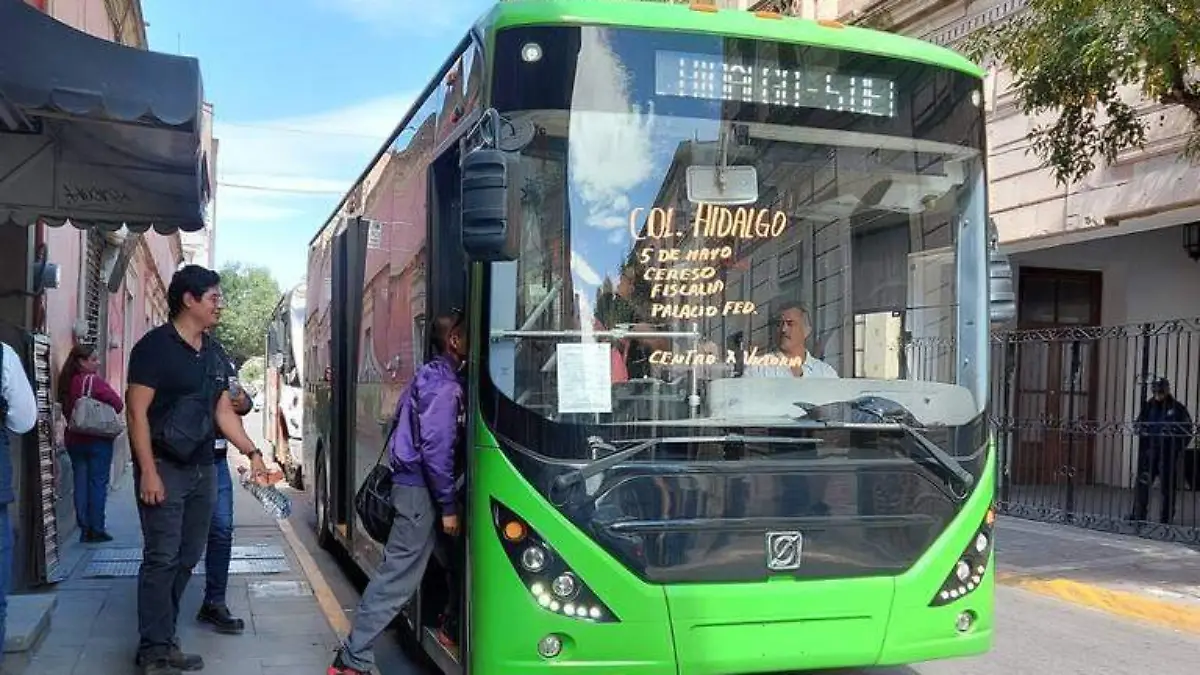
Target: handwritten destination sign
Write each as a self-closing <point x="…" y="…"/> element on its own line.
<point x="700" y="357"/>
<point x="711" y="220"/>
<point x="685" y="281"/>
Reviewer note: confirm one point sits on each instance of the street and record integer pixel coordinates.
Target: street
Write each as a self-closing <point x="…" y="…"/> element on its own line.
<point x="1036" y="634"/>
<point x="389" y="655"/>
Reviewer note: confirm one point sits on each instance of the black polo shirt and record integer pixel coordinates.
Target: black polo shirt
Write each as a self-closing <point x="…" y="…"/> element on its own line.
<point x="164" y="362"/>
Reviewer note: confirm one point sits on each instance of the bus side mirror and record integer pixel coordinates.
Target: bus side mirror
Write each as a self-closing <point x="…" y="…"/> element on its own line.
<point x="485" y="206"/>
<point x="1002" y="304"/>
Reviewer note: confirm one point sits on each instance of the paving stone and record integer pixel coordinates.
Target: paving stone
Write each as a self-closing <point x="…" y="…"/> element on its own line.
<point x="92" y="629"/>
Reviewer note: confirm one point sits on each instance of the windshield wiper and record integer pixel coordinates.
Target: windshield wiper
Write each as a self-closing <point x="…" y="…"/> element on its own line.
<point x="891" y="415"/>
<point x="616" y="456"/>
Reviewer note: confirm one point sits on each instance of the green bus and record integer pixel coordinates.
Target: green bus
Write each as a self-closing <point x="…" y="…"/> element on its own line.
<point x="729" y="278"/>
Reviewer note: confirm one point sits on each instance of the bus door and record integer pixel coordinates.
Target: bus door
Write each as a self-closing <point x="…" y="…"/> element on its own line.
<point x="448" y="265"/>
<point x="446" y="588"/>
<point x="349" y="247"/>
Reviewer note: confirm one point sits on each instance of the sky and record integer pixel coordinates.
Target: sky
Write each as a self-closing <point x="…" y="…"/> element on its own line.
<point x="304" y="92"/>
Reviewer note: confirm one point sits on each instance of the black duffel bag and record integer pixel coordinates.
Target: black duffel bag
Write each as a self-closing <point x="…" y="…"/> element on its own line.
<point x="374" y="501"/>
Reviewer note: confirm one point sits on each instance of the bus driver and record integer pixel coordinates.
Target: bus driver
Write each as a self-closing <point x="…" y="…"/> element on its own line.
<point x="794" y="329"/>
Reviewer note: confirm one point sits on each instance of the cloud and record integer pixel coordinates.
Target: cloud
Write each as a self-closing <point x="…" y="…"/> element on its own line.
<point x="266" y="167"/>
<point x="407" y="15"/>
<point x="247" y="207"/>
<point x="278" y="179"/>
<point x="584" y="271"/>
<point x="611" y="139"/>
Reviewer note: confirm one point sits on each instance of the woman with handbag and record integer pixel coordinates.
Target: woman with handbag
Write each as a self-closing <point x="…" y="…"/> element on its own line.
<point x="93" y="416"/>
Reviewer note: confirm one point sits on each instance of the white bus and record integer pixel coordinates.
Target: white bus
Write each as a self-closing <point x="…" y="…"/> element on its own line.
<point x="283" y="407"/>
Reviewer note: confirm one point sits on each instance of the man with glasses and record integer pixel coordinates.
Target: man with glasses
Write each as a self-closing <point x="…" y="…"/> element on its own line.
<point x="422" y="450"/>
<point x="176" y="403"/>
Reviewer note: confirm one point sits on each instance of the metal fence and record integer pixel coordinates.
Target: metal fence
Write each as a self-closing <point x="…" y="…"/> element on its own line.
<point x="1065" y="405"/>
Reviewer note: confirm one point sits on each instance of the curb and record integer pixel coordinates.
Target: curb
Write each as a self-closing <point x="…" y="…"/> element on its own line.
<point x="1122" y="604"/>
<point x="327" y="601"/>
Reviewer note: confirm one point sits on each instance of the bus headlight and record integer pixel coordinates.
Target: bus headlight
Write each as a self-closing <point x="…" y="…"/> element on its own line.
<point x="533" y="558"/>
<point x="564" y="586"/>
<point x="552" y="584"/>
<point x="970" y="568"/>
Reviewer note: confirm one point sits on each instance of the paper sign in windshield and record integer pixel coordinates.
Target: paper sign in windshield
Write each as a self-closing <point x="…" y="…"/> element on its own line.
<point x="584" y="378"/>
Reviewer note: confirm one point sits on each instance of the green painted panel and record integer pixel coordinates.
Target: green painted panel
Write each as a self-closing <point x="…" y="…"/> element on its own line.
<point x="730" y="23"/>
<point x="507" y="622"/>
<point x="780" y="624"/>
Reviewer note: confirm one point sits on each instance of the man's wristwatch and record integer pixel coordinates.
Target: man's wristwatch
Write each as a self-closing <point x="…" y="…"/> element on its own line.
<point x="254" y="453"/>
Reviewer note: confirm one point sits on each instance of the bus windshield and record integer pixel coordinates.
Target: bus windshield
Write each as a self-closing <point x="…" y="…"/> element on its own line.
<point x="736" y="233"/>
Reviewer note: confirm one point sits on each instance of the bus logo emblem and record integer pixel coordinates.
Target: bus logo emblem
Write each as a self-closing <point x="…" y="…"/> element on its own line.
<point x="783" y="550"/>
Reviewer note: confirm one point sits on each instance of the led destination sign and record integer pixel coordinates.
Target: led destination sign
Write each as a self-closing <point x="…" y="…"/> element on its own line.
<point x="708" y="77"/>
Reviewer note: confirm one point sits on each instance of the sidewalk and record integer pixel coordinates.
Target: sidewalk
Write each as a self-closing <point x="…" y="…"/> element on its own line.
<point x="93" y="629"/>
<point x="1140" y="579"/>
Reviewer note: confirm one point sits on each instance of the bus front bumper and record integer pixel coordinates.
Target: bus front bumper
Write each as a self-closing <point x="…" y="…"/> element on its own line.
<point x="788" y="625"/>
<point x="732" y="629"/>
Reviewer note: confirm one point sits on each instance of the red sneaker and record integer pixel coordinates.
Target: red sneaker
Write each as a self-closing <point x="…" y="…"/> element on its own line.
<point x="446" y="641"/>
<point x="339" y="667"/>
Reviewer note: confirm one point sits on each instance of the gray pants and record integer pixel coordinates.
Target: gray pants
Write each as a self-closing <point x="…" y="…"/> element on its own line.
<point x="405" y="557"/>
<point x="174" y="534"/>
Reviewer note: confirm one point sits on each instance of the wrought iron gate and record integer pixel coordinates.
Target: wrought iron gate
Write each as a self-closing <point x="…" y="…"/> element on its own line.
<point x="1064" y="408"/>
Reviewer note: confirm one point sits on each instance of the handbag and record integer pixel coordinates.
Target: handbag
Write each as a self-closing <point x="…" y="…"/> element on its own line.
<point x="94" y="417"/>
<point x="189" y="425"/>
<point x="373" y="502"/>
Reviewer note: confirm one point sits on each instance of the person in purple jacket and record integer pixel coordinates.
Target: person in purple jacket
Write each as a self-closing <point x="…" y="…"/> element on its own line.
<point x="422" y="451"/>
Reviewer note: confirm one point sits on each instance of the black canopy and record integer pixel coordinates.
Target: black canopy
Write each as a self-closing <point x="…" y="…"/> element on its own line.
<point x="96" y="133"/>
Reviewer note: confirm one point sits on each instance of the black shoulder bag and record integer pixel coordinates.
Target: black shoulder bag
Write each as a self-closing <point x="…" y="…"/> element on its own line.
<point x="373" y="502"/>
<point x="189" y="425"/>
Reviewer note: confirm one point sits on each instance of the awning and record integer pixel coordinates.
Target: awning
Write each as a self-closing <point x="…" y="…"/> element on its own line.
<point x="96" y="133"/>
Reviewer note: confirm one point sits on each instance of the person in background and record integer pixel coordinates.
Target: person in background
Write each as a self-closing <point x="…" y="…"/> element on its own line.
<point x="91" y="456"/>
<point x="215" y="611"/>
<point x="176" y="403"/>
<point x="18" y="414"/>
<point x="1164" y="429"/>
<point x="421" y="452"/>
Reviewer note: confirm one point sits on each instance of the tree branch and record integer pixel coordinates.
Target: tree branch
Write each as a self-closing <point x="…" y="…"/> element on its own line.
<point x="1180" y="94"/>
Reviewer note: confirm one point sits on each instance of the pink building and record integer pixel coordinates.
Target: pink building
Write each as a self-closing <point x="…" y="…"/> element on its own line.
<point x="103" y="161"/>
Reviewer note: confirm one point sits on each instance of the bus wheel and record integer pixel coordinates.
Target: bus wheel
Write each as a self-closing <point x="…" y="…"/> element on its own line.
<point x="321" y="504"/>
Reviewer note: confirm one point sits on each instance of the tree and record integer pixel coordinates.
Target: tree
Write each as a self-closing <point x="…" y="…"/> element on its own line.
<point x="250" y="295"/>
<point x="254" y="370"/>
<point x="1075" y="56"/>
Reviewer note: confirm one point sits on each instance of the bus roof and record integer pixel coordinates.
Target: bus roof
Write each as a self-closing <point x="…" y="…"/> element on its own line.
<point x="294" y="297"/>
<point x="675" y="16"/>
<point x="728" y="22"/>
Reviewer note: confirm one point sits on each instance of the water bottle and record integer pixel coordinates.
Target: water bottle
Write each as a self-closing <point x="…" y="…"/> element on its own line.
<point x="273" y="501"/>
